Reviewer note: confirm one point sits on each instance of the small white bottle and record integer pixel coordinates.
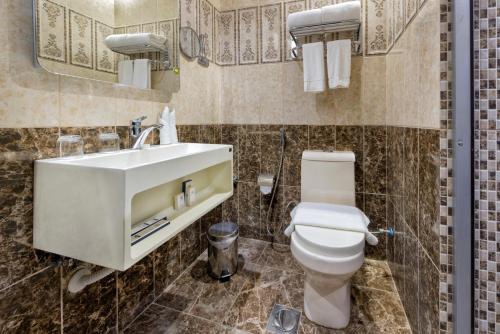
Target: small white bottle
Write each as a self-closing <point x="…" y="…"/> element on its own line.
<point x="179" y="202"/>
<point x="190" y="195"/>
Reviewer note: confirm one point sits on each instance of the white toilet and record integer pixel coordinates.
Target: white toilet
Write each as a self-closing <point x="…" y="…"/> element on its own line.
<point x="329" y="256"/>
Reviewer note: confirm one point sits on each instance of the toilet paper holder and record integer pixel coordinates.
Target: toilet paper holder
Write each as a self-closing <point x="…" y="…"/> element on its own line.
<point x="266" y="183"/>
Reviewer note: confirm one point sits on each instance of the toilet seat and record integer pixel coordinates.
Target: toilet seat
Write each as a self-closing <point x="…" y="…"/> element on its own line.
<point x="324" y="264"/>
<point x="330" y="242"/>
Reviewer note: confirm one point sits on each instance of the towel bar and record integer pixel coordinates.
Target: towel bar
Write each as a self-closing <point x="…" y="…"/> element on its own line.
<point x="324" y="29"/>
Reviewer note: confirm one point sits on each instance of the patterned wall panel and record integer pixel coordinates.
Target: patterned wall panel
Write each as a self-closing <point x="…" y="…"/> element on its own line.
<point x="411" y="9"/>
<point x="51" y="27"/>
<point x="168" y="29"/>
<point x="105" y="59"/>
<point x="289" y="8"/>
<point x="248" y="36"/>
<point x="188" y="12"/>
<point x="270" y="25"/>
<point x="375" y="29"/>
<point x="81" y="40"/>
<point x="389" y="26"/>
<point x="227" y="38"/>
<point x="217" y="36"/>
<point x="206" y="27"/>
<point x="398" y="18"/>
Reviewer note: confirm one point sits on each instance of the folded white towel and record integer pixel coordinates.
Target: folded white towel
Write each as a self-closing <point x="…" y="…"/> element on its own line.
<point x="142" y="73"/>
<point x="314" y="67"/>
<point x="173" y="128"/>
<point x="332" y="216"/>
<point x="304" y="18"/>
<point x="339" y="63"/>
<point x="126" y="72"/>
<point x="350" y="10"/>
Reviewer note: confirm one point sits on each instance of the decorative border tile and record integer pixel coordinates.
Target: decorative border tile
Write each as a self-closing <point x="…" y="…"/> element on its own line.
<point x="313" y="4"/>
<point x="120" y="57"/>
<point x="151" y="27"/>
<point x="167" y="29"/>
<point x="399" y="18"/>
<point x="81" y="38"/>
<point x="289" y="8"/>
<point x="216" y="46"/>
<point x="376" y="39"/>
<point x="105" y="58"/>
<point x="51" y="42"/>
<point x="206" y="26"/>
<point x="270" y="32"/>
<point x="189" y="13"/>
<point x="389" y="25"/>
<point x="227" y="38"/>
<point x="411" y="10"/>
<point x="248" y="36"/>
<point x="134" y="29"/>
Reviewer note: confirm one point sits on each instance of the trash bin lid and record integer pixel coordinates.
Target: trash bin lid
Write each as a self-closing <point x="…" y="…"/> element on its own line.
<point x="222" y="231"/>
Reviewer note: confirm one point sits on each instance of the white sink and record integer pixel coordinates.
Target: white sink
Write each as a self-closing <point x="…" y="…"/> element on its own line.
<point x="88" y="207"/>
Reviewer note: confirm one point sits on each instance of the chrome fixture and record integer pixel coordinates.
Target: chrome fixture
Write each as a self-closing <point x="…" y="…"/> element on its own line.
<point x="391" y="232"/>
<point x="324" y="30"/>
<point x="136" y="132"/>
<point x="135" y="127"/>
<point x="283" y="319"/>
<point x="139" y="143"/>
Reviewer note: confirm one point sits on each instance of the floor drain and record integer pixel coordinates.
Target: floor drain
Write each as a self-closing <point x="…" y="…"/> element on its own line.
<point x="283" y="320"/>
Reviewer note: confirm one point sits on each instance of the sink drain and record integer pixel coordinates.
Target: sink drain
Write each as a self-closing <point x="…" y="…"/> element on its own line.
<point x="283" y="320"/>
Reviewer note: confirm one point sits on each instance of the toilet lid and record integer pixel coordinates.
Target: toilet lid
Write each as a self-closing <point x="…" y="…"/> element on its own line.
<point x="330" y="242"/>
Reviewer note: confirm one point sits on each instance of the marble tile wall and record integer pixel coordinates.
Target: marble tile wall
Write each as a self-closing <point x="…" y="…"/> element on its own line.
<point x="33" y="294"/>
<point x="256" y="150"/>
<point x="486" y="167"/>
<point x="419" y="161"/>
<point x="413" y="197"/>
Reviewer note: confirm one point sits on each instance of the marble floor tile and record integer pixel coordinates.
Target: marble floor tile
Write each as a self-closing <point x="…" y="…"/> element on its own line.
<point x="279" y="257"/>
<point x="185" y="290"/>
<point x="251" y="249"/>
<point x="160" y="319"/>
<point x="195" y="303"/>
<point x="217" y="297"/>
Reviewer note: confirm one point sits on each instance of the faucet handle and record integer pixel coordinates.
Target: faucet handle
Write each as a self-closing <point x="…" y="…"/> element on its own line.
<point x="138" y="120"/>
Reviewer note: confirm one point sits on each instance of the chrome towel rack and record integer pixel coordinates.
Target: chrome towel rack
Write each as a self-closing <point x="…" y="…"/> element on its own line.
<point x="324" y="29"/>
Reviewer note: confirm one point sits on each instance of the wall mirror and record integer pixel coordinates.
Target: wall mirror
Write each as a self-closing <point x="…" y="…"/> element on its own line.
<point x="193" y="46"/>
<point x="127" y="42"/>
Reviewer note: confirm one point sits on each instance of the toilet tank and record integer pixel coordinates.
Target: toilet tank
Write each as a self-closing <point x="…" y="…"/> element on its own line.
<point x="328" y="177"/>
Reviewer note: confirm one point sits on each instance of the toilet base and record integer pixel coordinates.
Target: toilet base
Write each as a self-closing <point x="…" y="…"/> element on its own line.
<point x="326" y="306"/>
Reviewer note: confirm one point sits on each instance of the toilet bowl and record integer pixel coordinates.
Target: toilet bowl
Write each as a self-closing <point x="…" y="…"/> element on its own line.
<point x="329" y="259"/>
<point x="329" y="253"/>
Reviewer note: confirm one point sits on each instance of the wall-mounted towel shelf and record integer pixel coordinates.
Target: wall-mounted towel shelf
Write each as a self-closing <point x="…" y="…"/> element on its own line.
<point x="324" y="29"/>
<point x="134" y="44"/>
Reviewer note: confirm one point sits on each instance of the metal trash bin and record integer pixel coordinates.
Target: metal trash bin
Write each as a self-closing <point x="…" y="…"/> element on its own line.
<point x="223" y="250"/>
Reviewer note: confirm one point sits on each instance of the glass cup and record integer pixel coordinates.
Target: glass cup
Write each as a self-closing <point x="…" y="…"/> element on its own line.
<point x="109" y="142"/>
<point x="71" y="145"/>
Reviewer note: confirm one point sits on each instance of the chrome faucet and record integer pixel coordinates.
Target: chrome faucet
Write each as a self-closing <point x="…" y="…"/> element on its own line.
<point x="138" y="135"/>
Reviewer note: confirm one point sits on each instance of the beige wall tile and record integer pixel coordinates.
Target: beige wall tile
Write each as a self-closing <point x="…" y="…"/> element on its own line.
<point x="373" y="91"/>
<point x="198" y="100"/>
<point x="429" y="72"/>
<point x="413" y="75"/>
<point x="87" y="103"/>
